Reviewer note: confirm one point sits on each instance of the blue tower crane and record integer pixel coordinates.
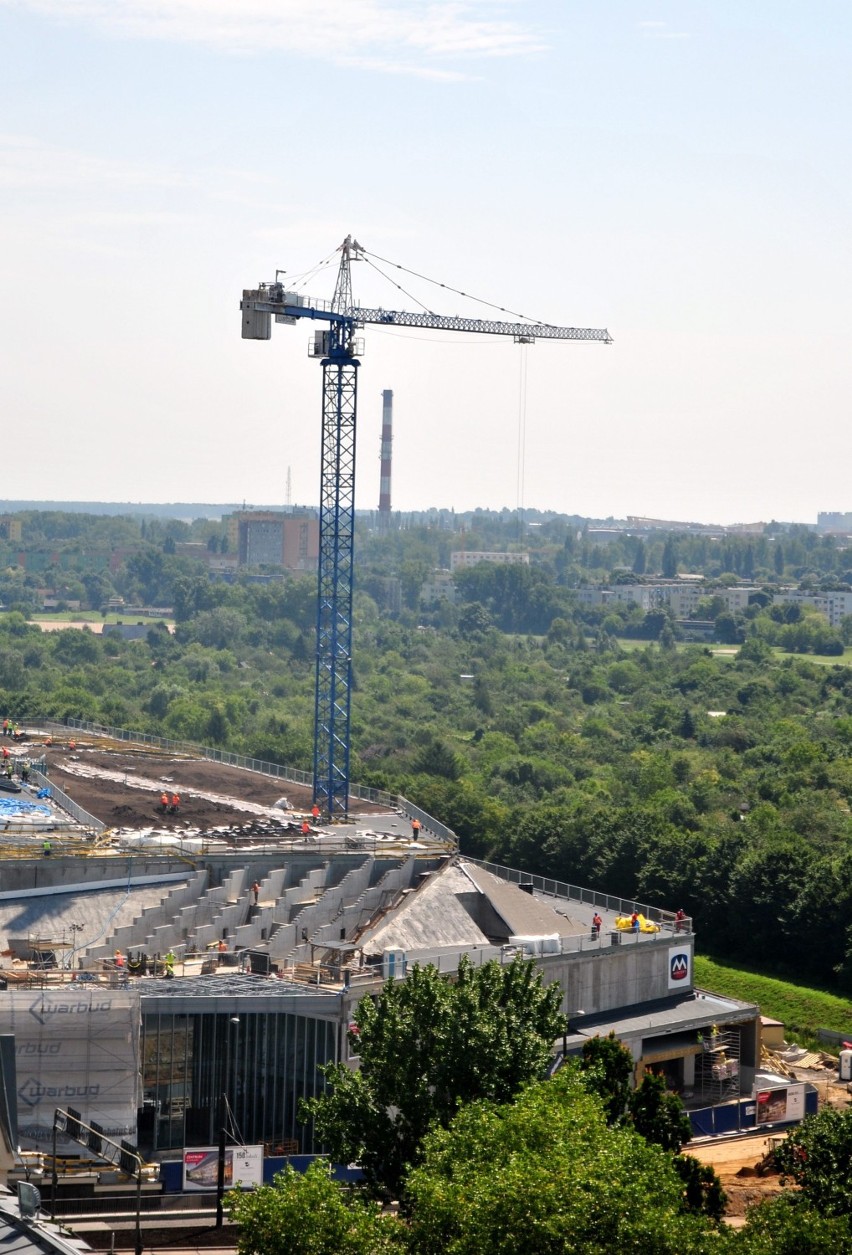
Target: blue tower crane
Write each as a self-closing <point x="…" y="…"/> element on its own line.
<point x="339" y="349"/>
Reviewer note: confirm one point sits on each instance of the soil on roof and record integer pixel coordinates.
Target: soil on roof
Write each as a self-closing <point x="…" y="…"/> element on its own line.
<point x="123" y="803"/>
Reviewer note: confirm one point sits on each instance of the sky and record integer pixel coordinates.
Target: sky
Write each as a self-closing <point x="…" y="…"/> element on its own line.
<point x="677" y="172"/>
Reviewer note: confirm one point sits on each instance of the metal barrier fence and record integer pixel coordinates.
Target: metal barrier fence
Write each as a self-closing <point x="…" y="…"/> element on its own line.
<point x="68" y="805"/>
<point x="428" y="823"/>
<point x="290" y="775"/>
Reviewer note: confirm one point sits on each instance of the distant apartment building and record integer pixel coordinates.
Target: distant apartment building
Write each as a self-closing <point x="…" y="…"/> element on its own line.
<point x="835" y="521"/>
<point x="835" y="606"/>
<point x="680" y="598"/>
<point x="10" y="528"/>
<point x="439" y="588"/>
<point x="463" y="558"/>
<point x="276" y="539"/>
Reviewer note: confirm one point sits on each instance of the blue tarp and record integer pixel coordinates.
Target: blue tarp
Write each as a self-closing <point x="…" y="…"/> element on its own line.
<point x="10" y="806"/>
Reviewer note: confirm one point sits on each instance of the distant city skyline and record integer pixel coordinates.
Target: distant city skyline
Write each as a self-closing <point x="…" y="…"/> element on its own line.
<point x="678" y="173"/>
<point x="189" y="510"/>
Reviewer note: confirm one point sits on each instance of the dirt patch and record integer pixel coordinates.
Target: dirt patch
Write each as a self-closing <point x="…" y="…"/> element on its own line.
<point x="742" y="1167"/>
<point x="743" y="1163"/>
<point x="122" y="788"/>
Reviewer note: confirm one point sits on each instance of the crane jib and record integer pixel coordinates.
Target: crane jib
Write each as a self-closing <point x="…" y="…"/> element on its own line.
<point x="437" y="322"/>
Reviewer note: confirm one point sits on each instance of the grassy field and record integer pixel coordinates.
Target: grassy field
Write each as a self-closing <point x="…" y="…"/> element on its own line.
<point x="803" y="1010"/>
<point x="92" y="616"/>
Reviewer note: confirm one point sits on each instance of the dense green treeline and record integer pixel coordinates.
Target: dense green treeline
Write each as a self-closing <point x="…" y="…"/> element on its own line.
<point x="721" y="784"/>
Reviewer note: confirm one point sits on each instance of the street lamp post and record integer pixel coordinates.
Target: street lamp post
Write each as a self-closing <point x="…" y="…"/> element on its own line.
<point x="232" y="1026"/>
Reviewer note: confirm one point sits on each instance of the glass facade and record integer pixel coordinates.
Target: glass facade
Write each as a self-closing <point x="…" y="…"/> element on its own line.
<point x="265" y="1062"/>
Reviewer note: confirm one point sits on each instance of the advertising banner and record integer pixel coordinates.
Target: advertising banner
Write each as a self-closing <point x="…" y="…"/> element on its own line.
<point x="780" y="1105"/>
<point x="75" y="1046"/>
<point x="243" y="1168"/>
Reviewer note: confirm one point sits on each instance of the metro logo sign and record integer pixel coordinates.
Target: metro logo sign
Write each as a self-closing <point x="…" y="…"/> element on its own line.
<point x="679" y="968"/>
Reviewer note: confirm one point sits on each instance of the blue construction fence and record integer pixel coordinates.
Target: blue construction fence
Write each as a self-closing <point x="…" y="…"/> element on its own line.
<point x="741" y="1116"/>
<point x="171" y="1171"/>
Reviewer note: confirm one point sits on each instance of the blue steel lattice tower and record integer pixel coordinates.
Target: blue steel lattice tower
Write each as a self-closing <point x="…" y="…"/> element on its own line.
<point x="338" y="350"/>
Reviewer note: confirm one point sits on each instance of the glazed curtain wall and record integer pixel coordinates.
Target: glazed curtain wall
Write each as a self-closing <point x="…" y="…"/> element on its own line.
<point x="264" y="1063"/>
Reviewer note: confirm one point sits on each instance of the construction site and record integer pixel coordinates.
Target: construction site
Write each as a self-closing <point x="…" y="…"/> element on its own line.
<point x="161" y="969"/>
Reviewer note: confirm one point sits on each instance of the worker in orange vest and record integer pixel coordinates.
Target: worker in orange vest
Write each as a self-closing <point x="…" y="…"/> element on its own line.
<point x="315" y="811"/>
<point x="175" y="806"/>
<point x="164" y="801"/>
<point x="306" y="827"/>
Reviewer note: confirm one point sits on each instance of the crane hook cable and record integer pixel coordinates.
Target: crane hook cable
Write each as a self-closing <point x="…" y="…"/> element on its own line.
<point x="479" y="300"/>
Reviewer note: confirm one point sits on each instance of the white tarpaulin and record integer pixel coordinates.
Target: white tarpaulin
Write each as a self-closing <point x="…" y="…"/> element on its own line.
<point x="75" y="1046"/>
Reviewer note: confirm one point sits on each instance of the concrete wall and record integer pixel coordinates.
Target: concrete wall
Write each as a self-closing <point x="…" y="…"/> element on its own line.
<point x="616" y="976"/>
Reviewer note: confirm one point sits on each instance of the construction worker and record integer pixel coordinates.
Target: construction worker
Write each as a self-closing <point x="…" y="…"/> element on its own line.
<point x="164" y="801"/>
<point x="169" y="962"/>
<point x="25" y="770"/>
<point x="306" y="827"/>
<point x="118" y="959"/>
<point x="9" y="768"/>
<point x="256" y="891"/>
<point x="175" y="803"/>
<point x="315" y="811"/>
<point x="222" y="948"/>
<point x="46" y="849"/>
<point x="415" y="828"/>
<point x="5" y="727"/>
<point x="5" y="753"/>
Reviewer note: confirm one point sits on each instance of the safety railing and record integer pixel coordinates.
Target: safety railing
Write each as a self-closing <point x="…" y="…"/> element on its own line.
<point x="290" y="775"/>
<point x="588" y="897"/>
<point x="62" y="799"/>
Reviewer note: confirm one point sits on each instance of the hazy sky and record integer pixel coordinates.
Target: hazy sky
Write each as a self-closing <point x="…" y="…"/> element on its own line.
<point x="678" y="172"/>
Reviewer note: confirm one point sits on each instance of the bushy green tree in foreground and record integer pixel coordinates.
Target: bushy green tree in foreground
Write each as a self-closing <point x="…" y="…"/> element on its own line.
<point x="427" y="1045"/>
<point x="818" y="1157"/>
<point x="309" y="1214"/>
<point x="607" y="1068"/>
<point x="658" y="1114"/>
<point x="547" y="1174"/>
<point x="790" y="1225"/>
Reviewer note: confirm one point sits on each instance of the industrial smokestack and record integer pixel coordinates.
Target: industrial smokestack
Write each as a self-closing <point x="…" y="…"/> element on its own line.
<point x="386" y="456"/>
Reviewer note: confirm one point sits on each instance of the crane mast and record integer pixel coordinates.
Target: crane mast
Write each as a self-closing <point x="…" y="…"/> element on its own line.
<point x="338" y="349"/>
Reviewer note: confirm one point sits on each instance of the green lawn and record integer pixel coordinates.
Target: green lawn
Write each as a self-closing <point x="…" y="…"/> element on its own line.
<point x="803" y="1010"/>
<point x="91" y="616"/>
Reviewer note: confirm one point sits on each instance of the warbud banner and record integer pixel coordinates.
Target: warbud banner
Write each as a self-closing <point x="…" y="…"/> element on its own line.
<point x="75" y="1046"/>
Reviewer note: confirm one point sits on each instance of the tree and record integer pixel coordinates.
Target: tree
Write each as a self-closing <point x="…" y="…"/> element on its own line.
<point x="818" y="1157"/>
<point x="426" y="1046"/>
<point x="308" y="1214"/>
<point x="791" y="1225"/>
<point x="670" y="558"/>
<point x="546" y="1174"/>
<point x="702" y="1188"/>
<point x="658" y="1114"/>
<point x="606" y="1069"/>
